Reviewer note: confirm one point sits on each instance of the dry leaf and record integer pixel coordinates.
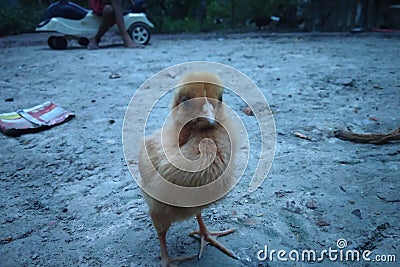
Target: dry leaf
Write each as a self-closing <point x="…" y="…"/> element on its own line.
<point x="302" y="136"/>
<point x="373" y="119"/>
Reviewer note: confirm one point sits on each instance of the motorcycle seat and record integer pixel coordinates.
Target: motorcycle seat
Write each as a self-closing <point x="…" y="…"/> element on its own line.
<point x="67" y="10"/>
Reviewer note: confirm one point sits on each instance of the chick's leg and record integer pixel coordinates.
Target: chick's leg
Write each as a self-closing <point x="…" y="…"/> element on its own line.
<point x="162" y="228"/>
<point x="165" y="260"/>
<point x="206" y="238"/>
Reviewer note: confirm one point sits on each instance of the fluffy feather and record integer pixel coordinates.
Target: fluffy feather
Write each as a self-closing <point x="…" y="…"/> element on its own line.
<point x="203" y="140"/>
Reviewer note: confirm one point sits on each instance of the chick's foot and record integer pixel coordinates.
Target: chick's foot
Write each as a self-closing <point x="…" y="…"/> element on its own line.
<point x="206" y="238"/>
<point x="167" y="262"/>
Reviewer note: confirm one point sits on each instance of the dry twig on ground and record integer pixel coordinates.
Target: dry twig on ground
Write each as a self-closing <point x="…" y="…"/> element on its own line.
<point x="368" y="138"/>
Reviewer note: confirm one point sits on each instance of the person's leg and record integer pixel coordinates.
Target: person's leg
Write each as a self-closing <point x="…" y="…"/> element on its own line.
<point x="119" y="20"/>
<point x="108" y="20"/>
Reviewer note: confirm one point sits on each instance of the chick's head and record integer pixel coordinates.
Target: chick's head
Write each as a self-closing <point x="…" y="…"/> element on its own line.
<point x="198" y="101"/>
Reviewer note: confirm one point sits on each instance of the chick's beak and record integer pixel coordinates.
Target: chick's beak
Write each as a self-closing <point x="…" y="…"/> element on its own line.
<point x="208" y="112"/>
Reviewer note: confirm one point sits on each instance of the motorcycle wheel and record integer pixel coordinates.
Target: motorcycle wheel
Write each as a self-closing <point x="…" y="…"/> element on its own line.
<point x="57" y="42"/>
<point x="83" y="41"/>
<point x="140" y="33"/>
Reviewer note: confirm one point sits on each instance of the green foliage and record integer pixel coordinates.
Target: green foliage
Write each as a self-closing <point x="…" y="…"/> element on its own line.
<point x="169" y="16"/>
<point x="210" y="15"/>
<point x="264" y="8"/>
<point x="20" y="17"/>
<point x="187" y="24"/>
<point x="14" y="20"/>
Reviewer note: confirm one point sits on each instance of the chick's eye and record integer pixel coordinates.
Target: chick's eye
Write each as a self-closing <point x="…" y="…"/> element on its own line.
<point x="184" y="99"/>
<point x="220" y="99"/>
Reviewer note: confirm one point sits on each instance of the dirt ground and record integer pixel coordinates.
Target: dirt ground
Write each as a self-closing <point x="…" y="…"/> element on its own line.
<point x="68" y="199"/>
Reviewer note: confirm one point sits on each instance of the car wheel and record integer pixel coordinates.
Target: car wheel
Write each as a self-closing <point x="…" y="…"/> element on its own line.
<point x="140" y="33"/>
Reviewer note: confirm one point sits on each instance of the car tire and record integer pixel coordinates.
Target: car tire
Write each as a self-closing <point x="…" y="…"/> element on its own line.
<point x="140" y="33"/>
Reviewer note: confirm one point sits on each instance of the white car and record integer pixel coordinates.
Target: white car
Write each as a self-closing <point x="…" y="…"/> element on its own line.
<point x="76" y="22"/>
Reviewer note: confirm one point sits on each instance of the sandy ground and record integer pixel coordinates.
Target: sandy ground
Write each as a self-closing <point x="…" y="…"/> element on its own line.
<point x="67" y="198"/>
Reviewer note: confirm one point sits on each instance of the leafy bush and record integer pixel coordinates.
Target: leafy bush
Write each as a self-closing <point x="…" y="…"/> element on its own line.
<point x="16" y="19"/>
<point x="210" y="15"/>
<point x="169" y="16"/>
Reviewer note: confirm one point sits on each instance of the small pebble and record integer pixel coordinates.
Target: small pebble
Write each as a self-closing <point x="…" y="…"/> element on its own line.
<point x="248" y="111"/>
<point x="323" y="223"/>
<point x="114" y="76"/>
<point x="311" y="205"/>
<point x="357" y="213"/>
